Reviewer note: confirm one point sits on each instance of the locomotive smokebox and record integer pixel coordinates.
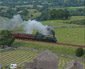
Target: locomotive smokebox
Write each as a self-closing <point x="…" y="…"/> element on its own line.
<point x="51" y="31"/>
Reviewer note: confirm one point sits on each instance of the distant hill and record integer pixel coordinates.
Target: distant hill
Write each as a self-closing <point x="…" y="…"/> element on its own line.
<point x="34" y="8"/>
<point x="47" y="3"/>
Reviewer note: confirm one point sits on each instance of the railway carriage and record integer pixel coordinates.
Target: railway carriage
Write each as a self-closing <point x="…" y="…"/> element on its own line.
<point x="38" y="37"/>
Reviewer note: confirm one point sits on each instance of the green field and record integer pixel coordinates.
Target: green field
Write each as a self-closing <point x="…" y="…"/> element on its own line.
<point x="71" y="35"/>
<point x="72" y="8"/>
<point x="17" y="56"/>
<point x="62" y="22"/>
<point x="63" y="35"/>
<point x="49" y="22"/>
<point x="33" y="13"/>
<point x="4" y="20"/>
<point x="66" y="35"/>
<point x="44" y="46"/>
<point x="20" y="56"/>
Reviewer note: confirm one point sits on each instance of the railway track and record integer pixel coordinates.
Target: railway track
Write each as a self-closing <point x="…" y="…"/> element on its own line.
<point x="64" y="44"/>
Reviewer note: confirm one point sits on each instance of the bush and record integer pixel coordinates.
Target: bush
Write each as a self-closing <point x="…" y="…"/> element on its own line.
<point x="6" y="38"/>
<point x="79" y="22"/>
<point x="79" y="52"/>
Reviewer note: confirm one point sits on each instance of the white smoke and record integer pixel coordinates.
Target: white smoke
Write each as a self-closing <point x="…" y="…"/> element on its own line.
<point x="31" y="25"/>
<point x="14" y="22"/>
<point x="28" y="26"/>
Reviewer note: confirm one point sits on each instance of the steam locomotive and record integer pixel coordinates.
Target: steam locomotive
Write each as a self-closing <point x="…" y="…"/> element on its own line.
<point x="38" y="37"/>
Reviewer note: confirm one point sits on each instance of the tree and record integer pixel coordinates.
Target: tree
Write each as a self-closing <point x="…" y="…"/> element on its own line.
<point x="24" y="12"/>
<point x="66" y="14"/>
<point x="43" y="16"/>
<point x="6" y="38"/>
<point x="35" y="7"/>
<point x="79" y="52"/>
<point x="53" y="14"/>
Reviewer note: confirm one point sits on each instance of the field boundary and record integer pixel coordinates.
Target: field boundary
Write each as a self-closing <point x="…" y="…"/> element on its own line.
<point x="36" y="50"/>
<point x="64" y="44"/>
<point x="63" y="26"/>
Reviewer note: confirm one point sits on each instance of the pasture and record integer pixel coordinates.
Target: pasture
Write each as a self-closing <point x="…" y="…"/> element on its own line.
<point x="62" y="22"/>
<point x="70" y="35"/>
<point x="4" y="20"/>
<point x="20" y="56"/>
<point x="63" y="35"/>
<point x="60" y="49"/>
<point x="72" y="8"/>
<point x="33" y="13"/>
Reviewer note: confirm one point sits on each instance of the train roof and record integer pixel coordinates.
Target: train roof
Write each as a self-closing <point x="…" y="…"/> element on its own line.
<point x="22" y="33"/>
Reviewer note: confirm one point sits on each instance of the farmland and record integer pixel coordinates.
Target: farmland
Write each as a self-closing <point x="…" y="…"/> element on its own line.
<point x="64" y="35"/>
<point x="44" y="46"/>
<point x="54" y="13"/>
<point x="70" y="35"/>
<point x="72" y="8"/>
<point x="20" y="56"/>
<point x="62" y="22"/>
<point x="3" y="19"/>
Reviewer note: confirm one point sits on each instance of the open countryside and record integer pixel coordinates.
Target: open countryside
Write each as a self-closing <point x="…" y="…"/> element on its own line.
<point x="29" y="28"/>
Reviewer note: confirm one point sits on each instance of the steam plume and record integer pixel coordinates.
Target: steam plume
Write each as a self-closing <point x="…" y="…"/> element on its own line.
<point x="14" y="22"/>
<point x="28" y="26"/>
<point x="32" y="25"/>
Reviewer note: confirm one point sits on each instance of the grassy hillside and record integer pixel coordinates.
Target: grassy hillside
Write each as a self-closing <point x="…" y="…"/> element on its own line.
<point x="70" y="35"/>
<point x="72" y="8"/>
<point x="62" y="22"/>
<point x="21" y="56"/>
<point x="49" y="22"/>
<point x="44" y="46"/>
<point x="66" y="35"/>
<point x="33" y="13"/>
<point x="3" y="19"/>
<point x="17" y="56"/>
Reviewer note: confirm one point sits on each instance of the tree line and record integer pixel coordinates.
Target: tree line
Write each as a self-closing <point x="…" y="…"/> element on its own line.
<point x="45" y="14"/>
<point x="6" y="38"/>
<point x="54" y="14"/>
<point x="49" y="3"/>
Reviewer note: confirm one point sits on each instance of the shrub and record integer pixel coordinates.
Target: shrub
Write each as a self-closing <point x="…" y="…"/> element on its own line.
<point x="79" y="52"/>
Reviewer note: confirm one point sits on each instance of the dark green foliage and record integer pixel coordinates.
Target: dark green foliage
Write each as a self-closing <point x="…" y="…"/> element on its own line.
<point x="55" y="14"/>
<point x="6" y="38"/>
<point x="59" y="14"/>
<point x="79" y="52"/>
<point x="49" y="3"/>
<point x="43" y="16"/>
<point x="77" y="11"/>
<point x="9" y="8"/>
<point x="24" y="12"/>
<point x="79" y="22"/>
<point x="35" y="7"/>
<point x="9" y="13"/>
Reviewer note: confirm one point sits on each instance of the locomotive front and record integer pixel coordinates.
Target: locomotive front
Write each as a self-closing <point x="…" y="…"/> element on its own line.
<point x="50" y="37"/>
